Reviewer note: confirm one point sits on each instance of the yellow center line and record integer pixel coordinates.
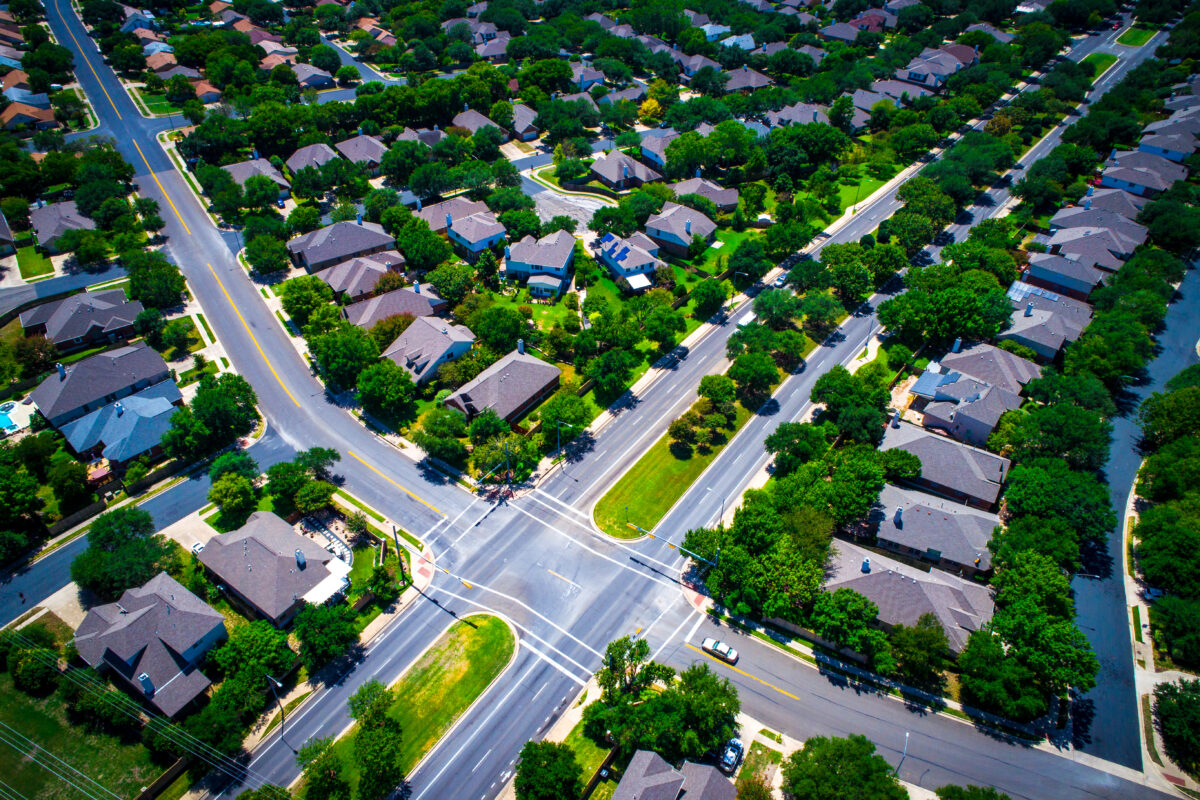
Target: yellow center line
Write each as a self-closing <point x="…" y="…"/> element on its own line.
<point x="568" y="580"/>
<point x="784" y="692"/>
<point x="371" y="467"/>
<point x="86" y="60"/>
<point x="253" y="338"/>
<point x="162" y="189"/>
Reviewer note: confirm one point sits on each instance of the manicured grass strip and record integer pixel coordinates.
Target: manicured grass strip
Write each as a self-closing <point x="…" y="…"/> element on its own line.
<point x="1099" y="62"/>
<point x="207" y="330"/>
<point x="647" y="491"/>
<point x="370" y="512"/>
<point x="1136" y="36"/>
<point x="1137" y="622"/>
<point x="1148" y="726"/>
<point x="122" y="766"/>
<point x="287" y="709"/>
<point x="589" y="754"/>
<point x="32" y="263"/>
<point x="772" y="735"/>
<point x="443" y="684"/>
<point x="759" y="758"/>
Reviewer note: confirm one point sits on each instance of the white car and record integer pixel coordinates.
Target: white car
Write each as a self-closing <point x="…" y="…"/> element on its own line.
<point x="720" y="650"/>
<point x="197" y="547"/>
<point x="780" y="282"/>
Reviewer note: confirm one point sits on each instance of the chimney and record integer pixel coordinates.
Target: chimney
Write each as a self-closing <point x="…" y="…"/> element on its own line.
<point x="697" y="172"/>
<point x="418" y="204"/>
<point x="1113" y="154"/>
<point x="866" y="565"/>
<point x="507" y="253"/>
<point x="624" y="170"/>
<point x="957" y="345"/>
<point x="1029" y="309"/>
<point x="465" y="107"/>
<point x="147" y="684"/>
<point x="687" y="227"/>
<point x="256" y="152"/>
<point x="899" y="518"/>
<point x="360" y="218"/>
<point x="360" y="130"/>
<point x="896" y="420"/>
<point x="435" y="127"/>
<point x="449" y="221"/>
<point x="745" y="67"/>
<point x="521" y="346"/>
<point x="1087" y="203"/>
<point x="301" y="562"/>
<point x="417" y="287"/>
<point x="62" y="371"/>
<point x="1091" y="190"/>
<point x="120" y="409"/>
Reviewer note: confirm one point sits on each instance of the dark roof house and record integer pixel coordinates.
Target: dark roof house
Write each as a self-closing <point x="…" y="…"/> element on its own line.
<point x="1044" y="321"/>
<point x="365" y="150"/>
<point x="313" y="155"/>
<point x="951" y="536"/>
<point x="418" y="300"/>
<point x="724" y="199"/>
<point x="619" y="171"/>
<point x="426" y="344"/>
<point x="356" y="278"/>
<point x="52" y="221"/>
<point x="338" y="242"/>
<point x="650" y="777"/>
<point x="83" y="319"/>
<point x="128" y="428"/>
<point x="993" y="366"/>
<point x="75" y="390"/>
<point x="961" y="473"/>
<point x="510" y="387"/>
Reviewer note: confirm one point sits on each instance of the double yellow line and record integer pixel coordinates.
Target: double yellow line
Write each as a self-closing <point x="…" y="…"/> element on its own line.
<point x="372" y="467"/>
<point x="783" y="692"/>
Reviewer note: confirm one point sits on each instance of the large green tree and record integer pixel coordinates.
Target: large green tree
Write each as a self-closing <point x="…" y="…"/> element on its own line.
<point x="548" y="771"/>
<point x="832" y="768"/>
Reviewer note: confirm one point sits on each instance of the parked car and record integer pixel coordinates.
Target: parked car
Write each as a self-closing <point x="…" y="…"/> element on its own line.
<point x="732" y="756"/>
<point x="720" y="650"/>
<point x="780" y="282"/>
<point x="1150" y="593"/>
<point x="197" y="547"/>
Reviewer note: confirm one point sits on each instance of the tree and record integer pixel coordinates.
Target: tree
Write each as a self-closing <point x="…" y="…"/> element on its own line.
<point x="377" y="742"/>
<point x="499" y="327"/>
<point x="487" y="425"/>
<point x="921" y="652"/>
<point x="720" y="389"/>
<point x="222" y="410"/>
<point x="122" y="552"/>
<point x="234" y="495"/>
<point x="303" y="295"/>
<point x="754" y="374"/>
<point x="708" y="297"/>
<point x="267" y="254"/>
<point x="322" y="767"/>
<point x="68" y="480"/>
<point x="565" y="414"/>
<point x="548" y="771"/>
<point x="387" y="391"/>
<point x="1177" y="713"/>
<point x="777" y="308"/>
<point x="612" y="371"/>
<point x="1166" y="417"/>
<point x="794" y="444"/>
<point x="662" y="324"/>
<point x="343" y="353"/>
<point x="1048" y="488"/>
<point x="325" y="632"/>
<point x="627" y="670"/>
<point x="1077" y="435"/>
<point x="254" y="651"/>
<point x="831" y="768"/>
<point x="850" y="279"/>
<point x="453" y="282"/>
<point x="952" y="792"/>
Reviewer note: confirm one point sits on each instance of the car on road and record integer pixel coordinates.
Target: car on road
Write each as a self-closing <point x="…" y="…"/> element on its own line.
<point x="780" y="282"/>
<point x="732" y="756"/>
<point x="719" y="649"/>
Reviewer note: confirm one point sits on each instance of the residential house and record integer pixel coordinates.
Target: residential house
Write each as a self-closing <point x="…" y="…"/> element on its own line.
<point x="366" y="151"/>
<point x="1085" y="216"/>
<point x="179" y="69"/>
<point x="356" y="278"/>
<point x="1100" y="247"/>
<point x="244" y="170"/>
<point x="270" y="570"/>
<point x="153" y="48"/>
<point x="948" y="468"/>
<point x="313" y="155"/>
<point x="495" y="50"/>
<point x="546" y="286"/>
<point x="83" y="320"/>
<point x="895" y="6"/>
<point x="309" y="77"/>
<point x="997" y="34"/>
<point x="584" y="76"/>
<point x="217" y="6"/>
<point x="1173" y="146"/>
<point x="153" y="639"/>
<point x="725" y="200"/>
<point x="902" y="92"/>
<point x="11" y="35"/>
<point x="713" y="31"/>
<point x="746" y="80"/>
<point x="815" y="53"/>
<point x="158" y="62"/>
<point x="902" y="594"/>
<point x="874" y="20"/>
<point x="1044" y="321"/>
<point x="472" y="120"/>
<point x="15" y="79"/>
<point x="631" y="259"/>
<point x="1118" y="201"/>
<point x="649" y="777"/>
<point x="608" y="23"/>
<point x="654" y="145"/>
<point x="769" y="49"/>
<point x="511" y="387"/>
<point x="634" y="93"/>
<point x="1067" y="276"/>
<point x="338" y="242"/>
<point x="839" y="32"/>
<point x="964" y="407"/>
<point x="23" y="115"/>
<point x="135" y="18"/>
<point x="743" y="41"/>
<point x="127" y="428"/>
<point x="426" y="344"/>
<point x="475" y="233"/>
<point x="931" y="69"/>
<point x="274" y="60"/>
<point x="618" y="171"/>
<point x="653" y="44"/>
<point x="695" y="18"/>
<point x="952" y="537"/>
<point x="417" y="300"/>
<point x="993" y="366"/>
<point x="51" y="221"/>
<point x="523" y="127"/>
<point x="676" y="226"/>
<point x="441" y="215"/>
<point x="581" y="97"/>
<point x="797" y="114"/>
<point x="551" y="255"/>
<point x="693" y="63"/>
<point x="74" y="391"/>
<point x="10" y="57"/>
<point x="1143" y="174"/>
<point x="36" y="99"/>
<point x="206" y="93"/>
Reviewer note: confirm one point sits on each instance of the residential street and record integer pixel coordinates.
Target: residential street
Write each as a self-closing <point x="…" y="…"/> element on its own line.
<point x="535" y="558"/>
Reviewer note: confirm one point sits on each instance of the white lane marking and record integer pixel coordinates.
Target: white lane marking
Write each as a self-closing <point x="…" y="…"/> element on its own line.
<point x="667" y="641"/>
<point x="471" y="527"/>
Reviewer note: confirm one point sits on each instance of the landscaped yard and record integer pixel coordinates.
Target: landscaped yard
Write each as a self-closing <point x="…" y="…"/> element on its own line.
<point x="1136" y="36"/>
<point x="759" y="759"/>
<point x="32" y="263"/>
<point x="1099" y="62"/>
<point x="437" y="689"/>
<point x="589" y="754"/>
<point x="647" y="491"/>
<point x="157" y="103"/>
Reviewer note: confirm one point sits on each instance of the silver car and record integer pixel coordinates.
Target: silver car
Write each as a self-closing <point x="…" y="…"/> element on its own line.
<point x="720" y="650"/>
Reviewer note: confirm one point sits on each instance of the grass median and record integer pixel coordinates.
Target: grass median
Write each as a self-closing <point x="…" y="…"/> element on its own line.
<point x="1136" y="36"/>
<point x="439" y="687"/>
<point x="1099" y="62"/>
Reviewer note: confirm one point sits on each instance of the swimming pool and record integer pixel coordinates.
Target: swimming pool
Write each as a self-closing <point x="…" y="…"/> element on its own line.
<point x="6" y="423"/>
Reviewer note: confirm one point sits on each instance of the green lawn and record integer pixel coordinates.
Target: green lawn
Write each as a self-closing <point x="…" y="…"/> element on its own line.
<point x="759" y="758"/>
<point x="858" y="190"/>
<point x="441" y="686"/>
<point x="544" y="314"/>
<point x="1099" y="62"/>
<point x="1136" y="36"/>
<point x="121" y="765"/>
<point x="589" y="754"/>
<point x="204" y="324"/>
<point x="647" y="491"/>
<point x="716" y="258"/>
<point x="157" y="104"/>
<point x="224" y="523"/>
<point x="192" y="375"/>
<point x="32" y="263"/>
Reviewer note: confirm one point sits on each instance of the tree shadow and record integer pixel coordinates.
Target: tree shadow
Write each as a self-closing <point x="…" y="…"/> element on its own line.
<point x="1095" y="559"/>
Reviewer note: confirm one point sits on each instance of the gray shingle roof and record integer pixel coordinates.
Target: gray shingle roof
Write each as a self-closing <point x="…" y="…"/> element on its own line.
<point x="650" y="777"/>
<point x="614" y="166"/>
<point x="930" y="524"/>
<point x="95" y="378"/>
<point x="477" y="227"/>
<point x="423" y="343"/>
<point x="1118" y="201"/>
<point x="130" y="426"/>
<point x="340" y="241"/>
<point x="73" y="317"/>
<point x="358" y="276"/>
<point x="721" y="197"/>
<point x="455" y="208"/>
<point x="947" y="463"/>
<point x="244" y="170"/>
<point x="681" y="221"/>
<point x="423" y="302"/>
<point x="550" y="252"/>
<point x="1048" y="267"/>
<point x="313" y="155"/>
<point x="797" y="114"/>
<point x="308" y="75"/>
<point x="472" y="120"/>
<point x="994" y="366"/>
<point x="149" y="630"/>
<point x="1046" y="317"/>
<point x="505" y="386"/>
<point x="53" y="220"/>
<point x="259" y="562"/>
<point x="523" y="117"/>
<point x="746" y="78"/>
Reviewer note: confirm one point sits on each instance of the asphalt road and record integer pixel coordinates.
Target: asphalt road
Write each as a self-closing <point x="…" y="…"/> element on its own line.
<point x="535" y="559"/>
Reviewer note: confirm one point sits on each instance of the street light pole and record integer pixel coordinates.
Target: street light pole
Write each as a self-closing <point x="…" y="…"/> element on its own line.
<point x="282" y="714"/>
<point x="903" y="755"/>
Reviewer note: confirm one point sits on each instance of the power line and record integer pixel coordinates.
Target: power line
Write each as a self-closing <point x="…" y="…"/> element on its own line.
<point x="18" y="735"/>
<point x="32" y="756"/>
<point x="9" y="793"/>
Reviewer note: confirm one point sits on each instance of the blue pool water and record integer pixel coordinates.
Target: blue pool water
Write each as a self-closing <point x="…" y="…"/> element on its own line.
<point x="6" y="422"/>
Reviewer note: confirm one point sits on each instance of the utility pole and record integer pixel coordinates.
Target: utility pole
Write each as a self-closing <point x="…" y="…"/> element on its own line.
<point x="399" y="555"/>
<point x="282" y="714"/>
